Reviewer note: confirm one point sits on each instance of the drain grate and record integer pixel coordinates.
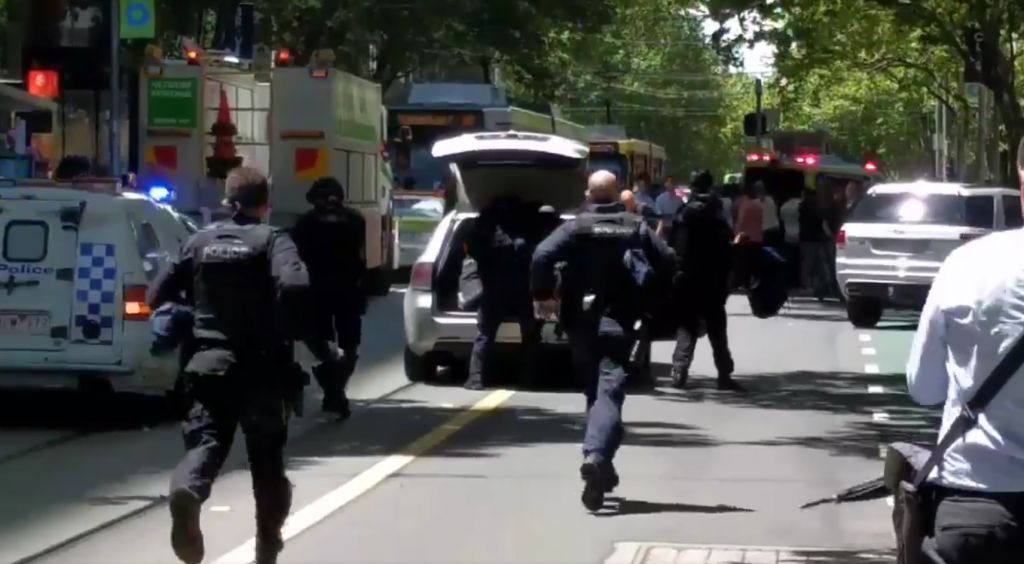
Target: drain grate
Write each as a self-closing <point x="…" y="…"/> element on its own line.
<point x="668" y="553"/>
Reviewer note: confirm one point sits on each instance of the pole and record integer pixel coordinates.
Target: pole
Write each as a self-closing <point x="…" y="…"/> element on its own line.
<point x="608" y="111"/>
<point x="115" y="88"/>
<point x="983" y="173"/>
<point x="758" y="91"/>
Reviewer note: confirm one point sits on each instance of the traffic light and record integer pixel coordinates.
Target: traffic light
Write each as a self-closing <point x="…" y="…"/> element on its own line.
<point x="283" y="58"/>
<point x="44" y="83"/>
<point x="750" y="124"/>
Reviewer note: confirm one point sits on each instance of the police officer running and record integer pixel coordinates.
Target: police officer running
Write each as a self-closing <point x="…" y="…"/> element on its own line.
<point x="331" y="239"/>
<point x="612" y="261"/>
<point x="702" y="241"/>
<point x="247" y="285"/>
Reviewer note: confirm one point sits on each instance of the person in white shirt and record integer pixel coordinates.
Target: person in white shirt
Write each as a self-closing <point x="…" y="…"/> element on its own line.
<point x="667" y="204"/>
<point x="770" y="218"/>
<point x="973" y="314"/>
<point x="789" y="217"/>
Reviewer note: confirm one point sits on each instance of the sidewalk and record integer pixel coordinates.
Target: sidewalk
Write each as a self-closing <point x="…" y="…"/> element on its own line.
<point x="654" y="553"/>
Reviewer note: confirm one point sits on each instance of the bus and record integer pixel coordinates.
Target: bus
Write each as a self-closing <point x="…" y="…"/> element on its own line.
<point x="803" y="160"/>
<point x="628" y="159"/>
<point x="421" y="114"/>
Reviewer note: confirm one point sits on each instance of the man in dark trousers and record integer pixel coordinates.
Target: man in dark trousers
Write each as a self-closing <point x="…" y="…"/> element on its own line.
<point x="611" y="259"/>
<point x="249" y="292"/>
<point x="502" y="242"/>
<point x="702" y="241"/>
<point x="332" y="240"/>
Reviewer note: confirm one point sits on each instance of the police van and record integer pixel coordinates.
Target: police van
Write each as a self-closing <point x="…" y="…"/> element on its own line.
<point x="76" y="260"/>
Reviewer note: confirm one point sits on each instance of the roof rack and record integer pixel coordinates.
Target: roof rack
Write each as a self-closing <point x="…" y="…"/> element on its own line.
<point x="95" y="184"/>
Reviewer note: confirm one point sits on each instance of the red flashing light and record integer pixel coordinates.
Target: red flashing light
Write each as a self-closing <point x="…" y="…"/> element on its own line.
<point x="44" y="83"/>
<point x="870" y="166"/>
<point x="284" y="57"/>
<point x="755" y="157"/>
<point x="809" y="160"/>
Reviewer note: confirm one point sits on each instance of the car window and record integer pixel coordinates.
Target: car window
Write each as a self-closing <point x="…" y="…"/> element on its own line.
<point x="937" y="209"/>
<point x="1012" y="212"/>
<point x="26" y="241"/>
<point x="980" y="211"/>
<point x="431" y="208"/>
<point x="147" y="239"/>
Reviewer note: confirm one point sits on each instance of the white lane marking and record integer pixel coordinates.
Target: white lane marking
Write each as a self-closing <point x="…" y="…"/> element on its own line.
<point x="880" y="416"/>
<point x="890" y="501"/>
<point x="448" y="405"/>
<point x="865" y="338"/>
<point x="883" y="451"/>
<point x="876" y="390"/>
<point x="338" y="498"/>
<point x="872" y="369"/>
<point x="868" y="351"/>
<point x="220" y="508"/>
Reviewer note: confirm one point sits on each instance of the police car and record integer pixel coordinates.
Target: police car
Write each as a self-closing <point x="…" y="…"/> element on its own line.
<point x="76" y="260"/>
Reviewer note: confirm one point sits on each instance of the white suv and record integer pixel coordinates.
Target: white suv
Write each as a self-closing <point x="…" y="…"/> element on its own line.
<point x="75" y="262"/>
<point x="896" y="238"/>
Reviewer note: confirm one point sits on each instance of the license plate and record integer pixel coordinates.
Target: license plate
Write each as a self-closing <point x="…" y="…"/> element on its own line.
<point x="24" y="323"/>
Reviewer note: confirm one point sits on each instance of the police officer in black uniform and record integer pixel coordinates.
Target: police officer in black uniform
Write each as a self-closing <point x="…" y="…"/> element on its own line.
<point x="502" y="242"/>
<point x="249" y="292"/>
<point x="702" y="240"/>
<point x="331" y="239"/>
<point x="600" y="305"/>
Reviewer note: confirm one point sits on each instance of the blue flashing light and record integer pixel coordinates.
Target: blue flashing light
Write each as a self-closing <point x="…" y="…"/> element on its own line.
<point x="160" y="194"/>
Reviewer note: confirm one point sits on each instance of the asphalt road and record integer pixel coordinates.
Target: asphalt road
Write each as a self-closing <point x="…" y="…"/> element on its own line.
<point x="439" y="474"/>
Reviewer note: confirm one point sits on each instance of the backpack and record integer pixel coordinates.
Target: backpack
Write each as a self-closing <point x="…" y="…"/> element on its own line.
<point x="701" y="238"/>
<point x="769" y="290"/>
<point x="630" y="281"/>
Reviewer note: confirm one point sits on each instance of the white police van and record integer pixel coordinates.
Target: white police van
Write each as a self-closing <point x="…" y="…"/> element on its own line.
<point x="76" y="260"/>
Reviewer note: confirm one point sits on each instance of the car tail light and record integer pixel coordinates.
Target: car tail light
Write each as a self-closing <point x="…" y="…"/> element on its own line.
<point x="422" y="275"/>
<point x="135" y="306"/>
<point x="841" y="239"/>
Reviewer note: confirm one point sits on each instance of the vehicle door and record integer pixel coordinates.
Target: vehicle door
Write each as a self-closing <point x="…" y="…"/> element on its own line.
<point x="37" y="265"/>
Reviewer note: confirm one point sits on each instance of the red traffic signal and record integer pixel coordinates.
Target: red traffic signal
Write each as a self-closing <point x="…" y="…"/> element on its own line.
<point x="44" y="83"/>
<point x="283" y="58"/>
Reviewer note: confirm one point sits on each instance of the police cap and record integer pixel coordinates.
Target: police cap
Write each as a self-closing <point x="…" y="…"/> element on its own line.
<point x="246" y="188"/>
<point x="324" y="189"/>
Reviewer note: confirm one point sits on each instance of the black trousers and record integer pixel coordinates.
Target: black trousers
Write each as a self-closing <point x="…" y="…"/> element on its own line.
<point x="219" y="404"/>
<point x="976" y="528"/>
<point x="712" y="315"/>
<point x="492" y="313"/>
<point x="600" y="357"/>
<point x="340" y="322"/>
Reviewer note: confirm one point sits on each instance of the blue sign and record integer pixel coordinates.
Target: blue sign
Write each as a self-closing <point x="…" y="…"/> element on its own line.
<point x="137" y="21"/>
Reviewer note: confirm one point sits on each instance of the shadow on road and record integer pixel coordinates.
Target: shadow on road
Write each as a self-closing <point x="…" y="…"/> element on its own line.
<point x="71" y="410"/>
<point x="616" y="506"/>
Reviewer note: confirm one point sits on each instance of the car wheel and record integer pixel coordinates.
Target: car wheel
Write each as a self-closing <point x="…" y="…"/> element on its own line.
<point x="864" y="313"/>
<point x="419" y="368"/>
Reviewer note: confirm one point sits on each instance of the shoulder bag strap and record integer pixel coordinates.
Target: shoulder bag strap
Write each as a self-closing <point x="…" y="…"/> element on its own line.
<point x="968" y="417"/>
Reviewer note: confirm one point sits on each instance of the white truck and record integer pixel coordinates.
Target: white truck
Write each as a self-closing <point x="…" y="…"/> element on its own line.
<point x="330" y="123"/>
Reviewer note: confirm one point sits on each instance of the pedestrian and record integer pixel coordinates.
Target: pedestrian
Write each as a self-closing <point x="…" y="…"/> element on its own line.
<point x="642" y="192"/>
<point x="971" y="318"/>
<point x="248" y="287"/>
<point x="612" y="264"/>
<point x="628" y="200"/>
<point x="331" y="238"/>
<point x="667" y="204"/>
<point x="501" y="243"/>
<point x="771" y="225"/>
<point x="749" y="235"/>
<point x="814" y="254"/>
<point x="789" y="217"/>
<point x="702" y="242"/>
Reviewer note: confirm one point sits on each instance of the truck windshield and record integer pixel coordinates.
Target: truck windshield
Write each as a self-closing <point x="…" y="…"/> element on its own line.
<point x="615" y="164"/>
<point x="410" y="144"/>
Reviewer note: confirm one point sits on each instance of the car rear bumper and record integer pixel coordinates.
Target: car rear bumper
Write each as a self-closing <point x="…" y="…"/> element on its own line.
<point x="859" y="273"/>
<point x="427" y="330"/>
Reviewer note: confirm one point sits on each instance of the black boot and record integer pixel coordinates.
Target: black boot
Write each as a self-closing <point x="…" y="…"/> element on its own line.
<point x="611" y="479"/>
<point x="267" y="548"/>
<point x="679" y="379"/>
<point x="593" y="471"/>
<point x="727" y="384"/>
<point x="337" y="404"/>
<point x="186" y="534"/>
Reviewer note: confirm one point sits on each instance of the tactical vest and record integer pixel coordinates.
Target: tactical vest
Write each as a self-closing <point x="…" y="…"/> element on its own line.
<point x="235" y="295"/>
<point x="614" y="272"/>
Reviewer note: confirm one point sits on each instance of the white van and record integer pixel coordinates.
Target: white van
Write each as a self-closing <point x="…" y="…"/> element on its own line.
<point x="76" y="261"/>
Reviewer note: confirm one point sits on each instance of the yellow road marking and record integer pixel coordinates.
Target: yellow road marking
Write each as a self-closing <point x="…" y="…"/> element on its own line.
<point x="338" y="498"/>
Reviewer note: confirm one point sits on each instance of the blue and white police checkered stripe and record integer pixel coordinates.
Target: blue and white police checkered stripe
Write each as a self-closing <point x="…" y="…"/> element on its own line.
<point x="95" y="290"/>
